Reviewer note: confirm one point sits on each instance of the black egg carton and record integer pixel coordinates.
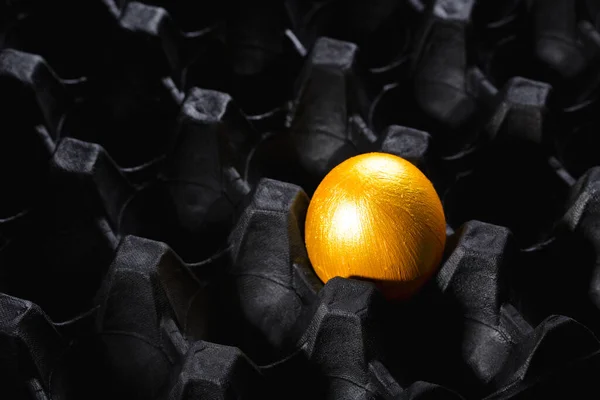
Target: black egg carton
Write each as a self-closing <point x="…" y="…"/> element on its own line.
<point x="157" y="160"/>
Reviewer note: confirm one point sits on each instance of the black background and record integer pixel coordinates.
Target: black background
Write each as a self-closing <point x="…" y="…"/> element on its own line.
<point x="157" y="160"/>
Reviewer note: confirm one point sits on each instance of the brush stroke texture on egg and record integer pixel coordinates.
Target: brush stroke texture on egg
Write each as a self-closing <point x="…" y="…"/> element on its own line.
<point x="376" y="216"/>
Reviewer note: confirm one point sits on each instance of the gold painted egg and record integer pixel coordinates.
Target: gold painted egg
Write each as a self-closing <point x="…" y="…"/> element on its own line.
<point x="377" y="217"/>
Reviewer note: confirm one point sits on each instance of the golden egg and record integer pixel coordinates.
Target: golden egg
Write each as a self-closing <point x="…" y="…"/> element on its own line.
<point x="376" y="217"/>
